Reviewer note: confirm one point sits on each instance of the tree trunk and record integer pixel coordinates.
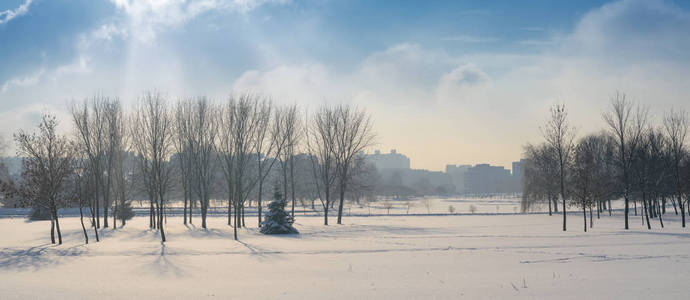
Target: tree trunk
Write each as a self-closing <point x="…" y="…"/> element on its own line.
<point x="242" y="214"/>
<point x="645" y="207"/>
<point x="591" y="220"/>
<point x="105" y="209"/>
<point x="83" y="228"/>
<point x="57" y="226"/>
<point x="184" y="209"/>
<point x="563" y="212"/>
<point x="258" y="205"/>
<point x="549" y="206"/>
<point x="151" y="213"/>
<point x="598" y="209"/>
<point x="609" y="207"/>
<point x="584" y="215"/>
<point x="52" y="228"/>
<point x="292" y="184"/>
<point x="98" y="209"/>
<point x="627" y="210"/>
<point x="325" y="214"/>
<point x="661" y="221"/>
<point x="682" y="212"/>
<point x="204" y="213"/>
<point x="341" y="204"/>
<point x="235" y="221"/>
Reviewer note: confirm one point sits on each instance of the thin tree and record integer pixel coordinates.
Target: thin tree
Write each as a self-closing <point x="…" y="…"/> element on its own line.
<point x="559" y="136"/>
<point x="321" y="135"/>
<point x="152" y="136"/>
<point x="676" y="127"/>
<point x="47" y="165"/>
<point x="627" y="128"/>
<point x="353" y="133"/>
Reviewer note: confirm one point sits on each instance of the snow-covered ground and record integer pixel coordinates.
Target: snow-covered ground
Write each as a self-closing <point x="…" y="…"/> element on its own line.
<point x="398" y="257"/>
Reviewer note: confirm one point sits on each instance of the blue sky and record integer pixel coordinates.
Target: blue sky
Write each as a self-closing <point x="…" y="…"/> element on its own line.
<point x="446" y="82"/>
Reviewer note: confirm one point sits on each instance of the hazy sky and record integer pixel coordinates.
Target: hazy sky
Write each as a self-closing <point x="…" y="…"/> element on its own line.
<point x="455" y="82"/>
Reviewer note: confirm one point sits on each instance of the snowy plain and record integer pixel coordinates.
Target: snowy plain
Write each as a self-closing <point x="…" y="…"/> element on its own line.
<point x="417" y="256"/>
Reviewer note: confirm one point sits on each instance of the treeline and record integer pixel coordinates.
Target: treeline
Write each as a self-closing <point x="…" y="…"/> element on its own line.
<point x="194" y="149"/>
<point x="646" y="164"/>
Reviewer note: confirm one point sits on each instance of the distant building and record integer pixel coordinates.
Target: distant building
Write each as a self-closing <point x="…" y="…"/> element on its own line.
<point x="457" y="176"/>
<point x="390" y="161"/>
<point x="518" y="170"/>
<point x="487" y="179"/>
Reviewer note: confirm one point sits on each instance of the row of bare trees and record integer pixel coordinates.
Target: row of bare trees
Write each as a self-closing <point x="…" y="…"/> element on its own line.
<point x="195" y="147"/>
<point x="633" y="159"/>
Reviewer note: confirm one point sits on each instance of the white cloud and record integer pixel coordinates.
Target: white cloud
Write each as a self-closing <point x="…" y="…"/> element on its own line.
<point x="147" y="17"/>
<point x="307" y="84"/>
<point x="8" y="15"/>
<point x="470" y="39"/>
<point x="28" y="81"/>
<point x="79" y="66"/>
<point x="463" y="83"/>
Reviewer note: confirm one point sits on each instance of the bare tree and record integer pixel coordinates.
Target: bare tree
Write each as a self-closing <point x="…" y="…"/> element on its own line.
<point x="676" y="126"/>
<point x="46" y="168"/>
<point x="289" y="138"/>
<point x="321" y="135"/>
<point x="540" y="169"/>
<point x="204" y="124"/>
<point x="196" y="129"/>
<point x="627" y="129"/>
<point x="559" y="136"/>
<point x="270" y="143"/>
<point x="183" y="146"/>
<point x="585" y="173"/>
<point x="353" y="134"/>
<point x="91" y="126"/>
<point x="152" y="137"/>
<point x="237" y="144"/>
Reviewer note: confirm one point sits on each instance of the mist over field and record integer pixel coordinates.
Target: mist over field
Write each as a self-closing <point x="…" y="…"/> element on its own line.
<point x="302" y="149"/>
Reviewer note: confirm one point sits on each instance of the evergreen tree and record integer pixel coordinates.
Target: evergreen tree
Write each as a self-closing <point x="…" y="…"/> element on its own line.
<point x="125" y="212"/>
<point x="277" y="221"/>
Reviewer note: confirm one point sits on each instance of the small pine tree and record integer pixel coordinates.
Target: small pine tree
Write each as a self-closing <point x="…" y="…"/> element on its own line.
<point x="39" y="213"/>
<point x="125" y="212"/>
<point x="277" y="220"/>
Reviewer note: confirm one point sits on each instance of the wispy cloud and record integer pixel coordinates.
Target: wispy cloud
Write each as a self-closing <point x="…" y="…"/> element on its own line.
<point x="470" y="39"/>
<point x="27" y="81"/>
<point x="8" y="15"/>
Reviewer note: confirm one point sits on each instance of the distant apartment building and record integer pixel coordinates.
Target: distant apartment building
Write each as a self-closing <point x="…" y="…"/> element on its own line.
<point x="483" y="179"/>
<point x="389" y="161"/>
<point x="487" y="179"/>
<point x="457" y="176"/>
<point x="518" y="170"/>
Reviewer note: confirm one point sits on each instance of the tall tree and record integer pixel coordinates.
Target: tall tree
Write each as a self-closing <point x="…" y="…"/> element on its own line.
<point x="289" y="137"/>
<point x="353" y="133"/>
<point x="240" y="117"/>
<point x="321" y="136"/>
<point x="559" y="136"/>
<point x="203" y="133"/>
<point x="627" y="128"/>
<point x="586" y="168"/>
<point x="91" y="125"/>
<point x="47" y="165"/>
<point x="676" y="127"/>
<point x="152" y="137"/>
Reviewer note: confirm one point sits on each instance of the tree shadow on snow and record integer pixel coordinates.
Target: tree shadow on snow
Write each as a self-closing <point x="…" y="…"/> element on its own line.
<point x="38" y="257"/>
<point x="162" y="265"/>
